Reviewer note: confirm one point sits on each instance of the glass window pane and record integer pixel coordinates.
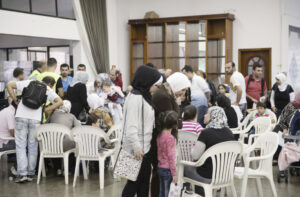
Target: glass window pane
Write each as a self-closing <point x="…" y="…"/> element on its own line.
<point x="216" y="79"/>
<point x="212" y="48"/>
<point x="136" y="63"/>
<point x="196" y="30"/>
<point x="21" y="5"/>
<point x="202" y="65"/>
<point x="61" y="54"/>
<point x="158" y="63"/>
<point x="41" y="56"/>
<point x="216" y="65"/>
<point x="193" y="62"/>
<point x="195" y="49"/>
<point x="46" y="7"/>
<point x="138" y="50"/>
<point x="65" y="8"/>
<point x="176" y="31"/>
<point x="221" y="47"/>
<point x="17" y="54"/>
<point x="155" y="33"/>
<point x="155" y="50"/>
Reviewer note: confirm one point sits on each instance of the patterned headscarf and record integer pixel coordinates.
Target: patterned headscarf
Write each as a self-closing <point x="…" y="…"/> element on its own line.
<point x="218" y="118"/>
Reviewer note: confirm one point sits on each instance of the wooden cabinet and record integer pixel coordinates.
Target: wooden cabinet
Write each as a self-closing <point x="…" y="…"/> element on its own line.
<point x="203" y="42"/>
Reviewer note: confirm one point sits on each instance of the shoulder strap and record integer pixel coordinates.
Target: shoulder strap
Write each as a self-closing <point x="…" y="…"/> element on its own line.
<point x="262" y="87"/>
<point x="248" y="82"/>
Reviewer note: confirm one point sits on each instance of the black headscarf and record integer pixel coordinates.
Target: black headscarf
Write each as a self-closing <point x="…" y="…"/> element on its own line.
<point x="224" y="102"/>
<point x="143" y="79"/>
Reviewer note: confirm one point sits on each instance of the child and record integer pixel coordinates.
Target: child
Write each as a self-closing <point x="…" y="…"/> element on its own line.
<point x="94" y="121"/>
<point x="112" y="95"/>
<point x="189" y="116"/>
<point x="166" y="151"/>
<point x="261" y="111"/>
<point x="222" y="89"/>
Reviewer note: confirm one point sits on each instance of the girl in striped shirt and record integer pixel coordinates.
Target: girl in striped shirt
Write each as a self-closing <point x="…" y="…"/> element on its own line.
<point x="189" y="116"/>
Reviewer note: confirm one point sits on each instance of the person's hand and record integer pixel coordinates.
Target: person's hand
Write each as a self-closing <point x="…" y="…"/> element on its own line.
<point x="175" y="179"/>
<point x="274" y="109"/>
<point x="285" y="131"/>
<point x="138" y="155"/>
<point x="273" y="121"/>
<point x="235" y="103"/>
<point x="178" y="100"/>
<point x="209" y="104"/>
<point x="254" y="100"/>
<point x="102" y="154"/>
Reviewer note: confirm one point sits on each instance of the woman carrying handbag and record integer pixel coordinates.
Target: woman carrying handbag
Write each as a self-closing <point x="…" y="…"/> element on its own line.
<point x="138" y="127"/>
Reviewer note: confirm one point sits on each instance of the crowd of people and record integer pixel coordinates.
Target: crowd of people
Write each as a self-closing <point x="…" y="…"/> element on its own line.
<point x="151" y="110"/>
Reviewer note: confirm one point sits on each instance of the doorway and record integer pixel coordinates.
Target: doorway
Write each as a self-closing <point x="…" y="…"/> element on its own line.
<point x="250" y="57"/>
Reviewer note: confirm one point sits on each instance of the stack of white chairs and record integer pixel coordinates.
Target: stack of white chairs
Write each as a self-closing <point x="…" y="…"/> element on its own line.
<point x="87" y="139"/>
<point x="267" y="143"/>
<point x="51" y="137"/>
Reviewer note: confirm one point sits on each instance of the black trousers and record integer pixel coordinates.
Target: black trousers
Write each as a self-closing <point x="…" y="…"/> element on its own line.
<point x="141" y="185"/>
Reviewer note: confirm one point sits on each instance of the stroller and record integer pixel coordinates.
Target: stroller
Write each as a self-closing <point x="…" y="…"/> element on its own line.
<point x="293" y="136"/>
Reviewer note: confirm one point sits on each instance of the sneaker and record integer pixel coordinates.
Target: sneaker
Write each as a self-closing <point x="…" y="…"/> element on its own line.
<point x="21" y="179"/>
<point x="13" y="171"/>
<point x="30" y="178"/>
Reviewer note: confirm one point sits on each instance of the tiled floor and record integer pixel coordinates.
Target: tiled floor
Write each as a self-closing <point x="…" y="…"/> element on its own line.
<point x="52" y="186"/>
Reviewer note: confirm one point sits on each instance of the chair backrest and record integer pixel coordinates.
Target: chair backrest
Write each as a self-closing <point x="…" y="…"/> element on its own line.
<point x="245" y="122"/>
<point x="116" y="131"/>
<point x="186" y="140"/>
<point x="272" y="115"/>
<point x="223" y="157"/>
<point x="261" y="124"/>
<point x="51" y="138"/>
<point x="87" y="140"/>
<point x="267" y="143"/>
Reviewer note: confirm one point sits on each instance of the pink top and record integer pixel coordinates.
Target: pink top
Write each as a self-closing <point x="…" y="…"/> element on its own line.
<point x="7" y="122"/>
<point x="166" y="152"/>
<point x="191" y="126"/>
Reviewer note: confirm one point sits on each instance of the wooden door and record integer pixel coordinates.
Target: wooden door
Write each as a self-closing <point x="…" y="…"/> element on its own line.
<point x="250" y="57"/>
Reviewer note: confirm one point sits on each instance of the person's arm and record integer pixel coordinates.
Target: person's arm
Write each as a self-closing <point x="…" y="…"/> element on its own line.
<point x="57" y="103"/>
<point x="272" y="101"/>
<point x="12" y="132"/>
<point x="171" y="155"/>
<point x="11" y="86"/>
<point x="238" y="95"/>
<point x="198" y="150"/>
<point x="292" y="96"/>
<point x="59" y="88"/>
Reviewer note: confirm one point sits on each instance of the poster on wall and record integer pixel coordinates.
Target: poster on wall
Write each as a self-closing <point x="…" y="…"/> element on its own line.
<point x="294" y="57"/>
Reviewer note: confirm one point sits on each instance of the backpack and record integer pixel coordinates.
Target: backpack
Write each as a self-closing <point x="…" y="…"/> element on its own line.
<point x="34" y="95"/>
<point x="262" y="84"/>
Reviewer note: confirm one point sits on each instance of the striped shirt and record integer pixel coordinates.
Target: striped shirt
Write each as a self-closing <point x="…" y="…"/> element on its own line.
<point x="191" y="126"/>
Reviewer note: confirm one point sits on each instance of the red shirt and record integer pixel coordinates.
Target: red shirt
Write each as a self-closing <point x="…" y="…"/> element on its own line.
<point x="254" y="88"/>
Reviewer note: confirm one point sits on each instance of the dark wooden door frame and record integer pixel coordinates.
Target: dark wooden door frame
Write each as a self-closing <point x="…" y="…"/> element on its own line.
<point x="269" y="82"/>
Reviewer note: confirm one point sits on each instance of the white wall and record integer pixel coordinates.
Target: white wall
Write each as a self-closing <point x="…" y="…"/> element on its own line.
<point x="257" y="23"/>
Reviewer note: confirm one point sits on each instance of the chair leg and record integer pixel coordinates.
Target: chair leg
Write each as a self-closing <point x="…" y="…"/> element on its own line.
<point x="272" y="186"/>
<point x="76" y="170"/>
<point x="208" y="191"/>
<point x="101" y="172"/>
<point x="259" y="188"/>
<point x="66" y="168"/>
<point x="233" y="191"/>
<point x="223" y="191"/>
<point x="244" y="185"/>
<point x="40" y="168"/>
<point x="85" y="175"/>
<point x="44" y="170"/>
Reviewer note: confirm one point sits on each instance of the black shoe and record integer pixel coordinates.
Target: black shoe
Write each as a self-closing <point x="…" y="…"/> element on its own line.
<point x="30" y="178"/>
<point x="21" y="179"/>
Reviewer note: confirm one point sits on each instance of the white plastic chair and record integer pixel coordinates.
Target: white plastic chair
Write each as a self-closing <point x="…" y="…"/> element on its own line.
<point x="223" y="156"/>
<point x="7" y="152"/>
<point x="186" y="140"/>
<point x="267" y="143"/>
<point x="51" y="138"/>
<point x="261" y="125"/>
<point x="87" y="139"/>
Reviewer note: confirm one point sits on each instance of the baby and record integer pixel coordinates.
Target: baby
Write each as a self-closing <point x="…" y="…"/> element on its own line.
<point x="111" y="95"/>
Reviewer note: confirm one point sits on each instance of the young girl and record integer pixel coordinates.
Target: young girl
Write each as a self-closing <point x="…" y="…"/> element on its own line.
<point x="189" y="120"/>
<point x="166" y="142"/>
<point x="222" y="89"/>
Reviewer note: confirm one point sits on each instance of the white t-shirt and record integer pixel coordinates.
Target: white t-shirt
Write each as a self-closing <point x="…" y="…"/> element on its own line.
<point x="237" y="79"/>
<point x="28" y="113"/>
<point x="199" y="86"/>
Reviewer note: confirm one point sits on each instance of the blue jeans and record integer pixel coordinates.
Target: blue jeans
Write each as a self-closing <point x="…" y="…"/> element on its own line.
<point x="199" y="100"/>
<point x="165" y="180"/>
<point x="24" y="138"/>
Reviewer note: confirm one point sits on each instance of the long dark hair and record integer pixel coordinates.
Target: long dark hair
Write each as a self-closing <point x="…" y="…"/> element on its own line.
<point x="169" y="120"/>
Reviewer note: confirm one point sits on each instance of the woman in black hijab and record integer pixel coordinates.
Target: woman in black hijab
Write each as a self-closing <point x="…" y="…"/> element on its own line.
<point x="224" y="102"/>
<point x="138" y="127"/>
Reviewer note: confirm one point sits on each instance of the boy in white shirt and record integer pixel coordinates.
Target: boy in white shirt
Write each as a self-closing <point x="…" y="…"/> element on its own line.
<point x="27" y="119"/>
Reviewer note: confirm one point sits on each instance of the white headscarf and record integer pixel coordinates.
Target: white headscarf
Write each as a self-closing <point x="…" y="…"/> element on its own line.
<point x="178" y="81"/>
<point x="103" y="77"/>
<point x="80" y="77"/>
<point x="66" y="107"/>
<point x="94" y="101"/>
<point x="282" y="78"/>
